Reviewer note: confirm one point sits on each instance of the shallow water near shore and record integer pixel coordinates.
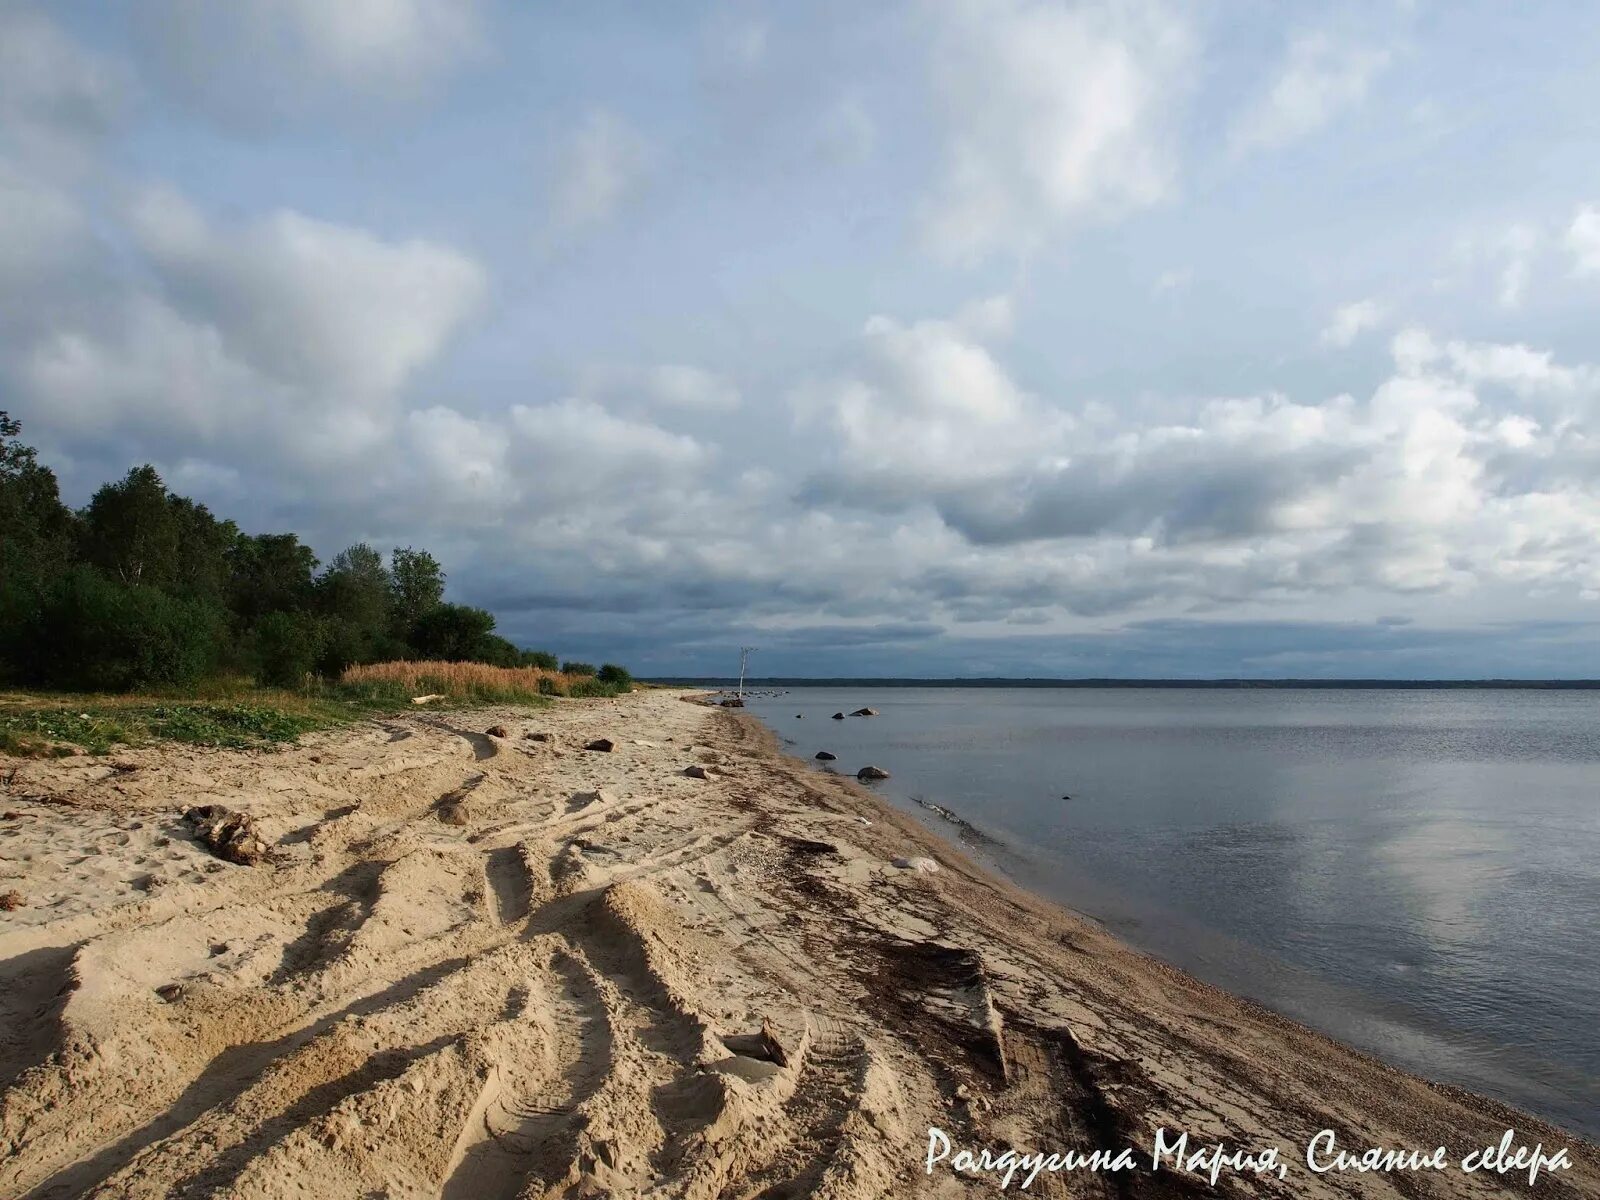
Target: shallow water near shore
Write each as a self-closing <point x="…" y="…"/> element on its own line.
<point x="1414" y="872"/>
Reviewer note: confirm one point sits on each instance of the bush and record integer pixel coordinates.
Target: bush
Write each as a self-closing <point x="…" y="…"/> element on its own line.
<point x="343" y="643"/>
<point x="577" y="668"/>
<point x="540" y="658"/>
<point x="453" y="633"/>
<point x="98" y="635"/>
<point x="287" y="648"/>
<point x="615" y="675"/>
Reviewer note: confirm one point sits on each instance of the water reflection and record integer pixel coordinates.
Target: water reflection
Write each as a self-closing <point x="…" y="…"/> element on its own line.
<point x="1416" y="872"/>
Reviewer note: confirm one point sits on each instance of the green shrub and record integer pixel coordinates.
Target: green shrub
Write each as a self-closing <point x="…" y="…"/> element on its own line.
<point x="343" y="644"/>
<point x="577" y="668"/>
<point x="587" y="687"/>
<point x="99" y="635"/>
<point x="540" y="658"/>
<point x="615" y="675"/>
<point x="287" y="648"/>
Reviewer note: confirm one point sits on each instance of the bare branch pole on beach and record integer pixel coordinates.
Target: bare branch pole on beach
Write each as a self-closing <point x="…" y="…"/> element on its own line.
<point x="744" y="659"/>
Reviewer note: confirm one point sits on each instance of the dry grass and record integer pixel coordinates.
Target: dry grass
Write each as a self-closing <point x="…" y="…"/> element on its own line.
<point x="473" y="681"/>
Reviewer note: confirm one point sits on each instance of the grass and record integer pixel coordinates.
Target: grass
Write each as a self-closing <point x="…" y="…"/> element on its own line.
<point x="228" y="712"/>
<point x="235" y="713"/>
<point x="476" y="682"/>
<point x="29" y="727"/>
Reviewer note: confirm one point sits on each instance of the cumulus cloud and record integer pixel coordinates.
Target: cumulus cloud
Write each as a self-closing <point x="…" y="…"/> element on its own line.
<point x="1583" y="241"/>
<point x="1052" y="114"/>
<point x="310" y="302"/>
<point x="250" y="60"/>
<point x="1320" y="76"/>
<point x="601" y="165"/>
<point x="1351" y="320"/>
<point x="1429" y="483"/>
<point x="286" y="339"/>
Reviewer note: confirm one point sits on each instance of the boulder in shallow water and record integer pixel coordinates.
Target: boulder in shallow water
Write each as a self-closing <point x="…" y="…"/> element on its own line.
<point x="872" y="773"/>
<point x="865" y="712"/>
<point x="838" y="716"/>
<point x="824" y="756"/>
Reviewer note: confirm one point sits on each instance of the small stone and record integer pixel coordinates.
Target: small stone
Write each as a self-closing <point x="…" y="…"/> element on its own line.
<point x="170" y="991"/>
<point x="601" y="745"/>
<point x="696" y="772"/>
<point x="824" y="756"/>
<point x="11" y="901"/>
<point x="498" y="731"/>
<point x="838" y="716"/>
<point x="539" y="737"/>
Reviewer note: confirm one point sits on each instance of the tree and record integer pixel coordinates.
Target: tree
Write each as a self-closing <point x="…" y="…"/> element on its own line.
<point x="355" y="588"/>
<point x="539" y="658"/>
<point x="201" y="567"/>
<point x="36" y="540"/>
<point x="131" y="532"/>
<point x="416" y="588"/>
<point x="271" y="572"/>
<point x="613" y="674"/>
<point x="577" y="668"/>
<point x="454" y="633"/>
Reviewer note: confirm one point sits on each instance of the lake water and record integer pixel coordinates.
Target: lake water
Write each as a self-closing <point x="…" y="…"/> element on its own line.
<point x="1414" y="872"/>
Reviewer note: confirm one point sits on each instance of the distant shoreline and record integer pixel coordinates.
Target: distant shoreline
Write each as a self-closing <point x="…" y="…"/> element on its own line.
<point x="767" y="682"/>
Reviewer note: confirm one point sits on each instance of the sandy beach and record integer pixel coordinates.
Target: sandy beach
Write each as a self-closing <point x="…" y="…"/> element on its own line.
<point x="468" y="965"/>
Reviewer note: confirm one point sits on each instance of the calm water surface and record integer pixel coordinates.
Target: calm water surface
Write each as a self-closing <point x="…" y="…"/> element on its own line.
<point x="1416" y="873"/>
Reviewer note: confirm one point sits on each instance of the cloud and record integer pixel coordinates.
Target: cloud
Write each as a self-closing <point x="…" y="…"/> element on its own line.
<point x="603" y="163"/>
<point x="57" y="99"/>
<point x="253" y="60"/>
<point x="1320" y="77"/>
<point x="1170" y="282"/>
<point x="1437" y="481"/>
<point x="1583" y="241"/>
<point x="847" y="134"/>
<point x="281" y="339"/>
<point x="310" y="302"/>
<point x="1052" y="114"/>
<point x="664" y="385"/>
<point x="1516" y="248"/>
<point x="1351" y="320"/>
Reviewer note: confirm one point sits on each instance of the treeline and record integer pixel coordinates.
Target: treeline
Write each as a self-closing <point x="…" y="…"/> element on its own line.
<point x="142" y="588"/>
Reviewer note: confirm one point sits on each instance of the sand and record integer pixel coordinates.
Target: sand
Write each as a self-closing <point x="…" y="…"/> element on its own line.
<point x="483" y="967"/>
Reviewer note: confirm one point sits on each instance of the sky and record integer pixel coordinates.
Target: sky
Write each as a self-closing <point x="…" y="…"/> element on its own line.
<point x="948" y="337"/>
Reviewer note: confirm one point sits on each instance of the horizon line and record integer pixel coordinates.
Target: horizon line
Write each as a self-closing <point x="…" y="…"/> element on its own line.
<point x="1128" y="681"/>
